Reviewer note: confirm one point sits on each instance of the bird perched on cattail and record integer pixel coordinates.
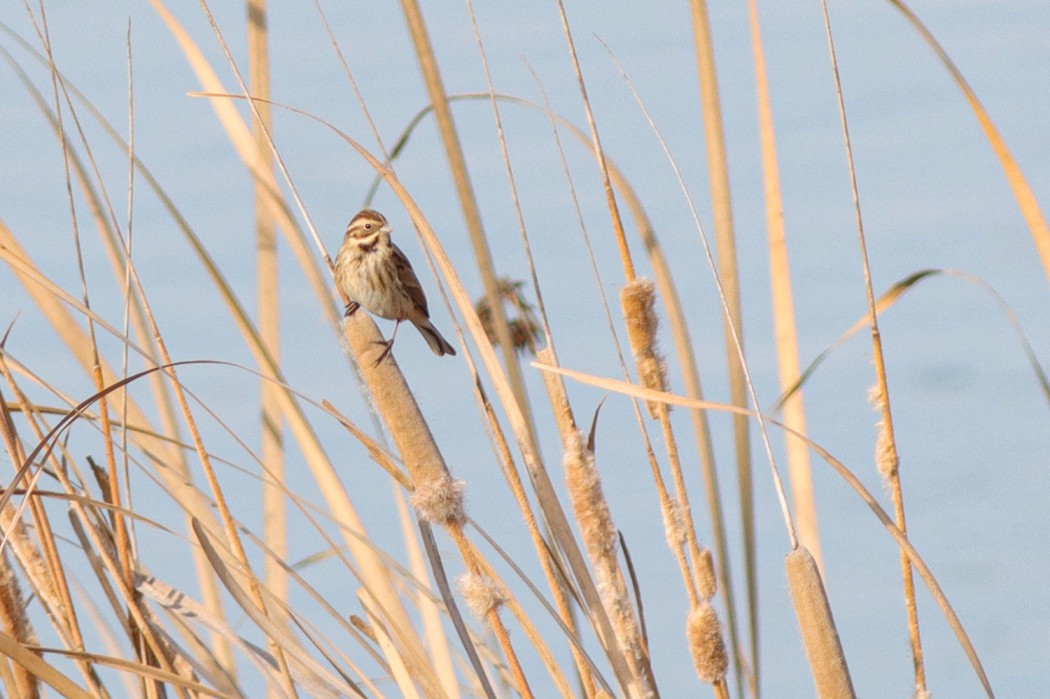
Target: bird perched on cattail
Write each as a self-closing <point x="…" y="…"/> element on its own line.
<point x="374" y="273"/>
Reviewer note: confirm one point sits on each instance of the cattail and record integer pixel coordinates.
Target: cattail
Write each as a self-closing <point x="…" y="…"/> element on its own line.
<point x="482" y="594"/>
<point x="588" y="502"/>
<point x="705" y="574"/>
<point x="674" y="525"/>
<point x="440" y="500"/>
<point x="823" y="649"/>
<point x="600" y="542"/>
<point x="704" y="633"/>
<point x="637" y="299"/>
<point x="886" y="459"/>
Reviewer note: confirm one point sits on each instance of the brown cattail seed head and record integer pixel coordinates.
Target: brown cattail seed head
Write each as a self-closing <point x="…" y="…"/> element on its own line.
<point x="440" y="501"/>
<point x="482" y="594"/>
<point x="588" y="501"/>
<point x="674" y="525"/>
<point x="819" y="637"/>
<point x="705" y="574"/>
<point x="637" y="299"/>
<point x="886" y="459"/>
<point x="704" y="633"/>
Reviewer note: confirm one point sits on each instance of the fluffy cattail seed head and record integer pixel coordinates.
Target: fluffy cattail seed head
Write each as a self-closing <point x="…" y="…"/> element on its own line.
<point x="482" y="594"/>
<point x="637" y="299"/>
<point x="705" y="574"/>
<point x="704" y="633"/>
<point x="440" y="500"/>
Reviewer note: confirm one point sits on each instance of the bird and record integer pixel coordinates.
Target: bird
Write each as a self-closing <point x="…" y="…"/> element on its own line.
<point x="374" y="273"/>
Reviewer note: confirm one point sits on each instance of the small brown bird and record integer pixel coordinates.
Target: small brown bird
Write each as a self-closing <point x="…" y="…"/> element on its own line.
<point x="374" y="273"/>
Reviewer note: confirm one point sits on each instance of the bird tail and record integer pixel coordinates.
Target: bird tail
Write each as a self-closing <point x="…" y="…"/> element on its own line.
<point x="437" y="343"/>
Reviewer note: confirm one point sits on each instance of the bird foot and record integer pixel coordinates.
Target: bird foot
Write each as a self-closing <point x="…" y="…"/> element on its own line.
<point x="387" y="346"/>
<point x="351" y="308"/>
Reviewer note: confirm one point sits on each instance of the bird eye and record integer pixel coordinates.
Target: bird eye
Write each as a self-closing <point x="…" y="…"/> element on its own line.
<point x="368" y="226"/>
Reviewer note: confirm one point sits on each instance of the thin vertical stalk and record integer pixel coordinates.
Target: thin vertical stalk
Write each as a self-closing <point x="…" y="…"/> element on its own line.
<point x="274" y="514"/>
<point x="120" y="534"/>
<point x="786" y="333"/>
<point x="599" y="153"/>
<point x="887" y="459"/>
<point x="461" y="178"/>
<point x="718" y="172"/>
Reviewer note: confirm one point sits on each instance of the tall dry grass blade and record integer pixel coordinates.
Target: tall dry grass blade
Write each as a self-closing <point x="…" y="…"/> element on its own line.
<point x="728" y="273"/>
<point x="378" y="453"/>
<point x="599" y="152"/>
<point x="274" y="511"/>
<point x="562" y="412"/>
<point x="896" y="291"/>
<point x="183" y="686"/>
<point x="1022" y="191"/>
<point x="887" y="460"/>
<point x="34" y="664"/>
<point x="468" y="203"/>
<point x="7" y="677"/>
<point x="821" y="640"/>
<point x="400" y="671"/>
<point x="784" y="323"/>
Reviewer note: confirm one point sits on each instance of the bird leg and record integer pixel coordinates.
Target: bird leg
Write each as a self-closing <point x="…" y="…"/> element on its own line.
<point x="388" y="345"/>
<point x="351" y="307"/>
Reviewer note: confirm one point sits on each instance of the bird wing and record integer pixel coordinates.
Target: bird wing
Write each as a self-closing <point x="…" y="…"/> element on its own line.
<point x="409" y="281"/>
